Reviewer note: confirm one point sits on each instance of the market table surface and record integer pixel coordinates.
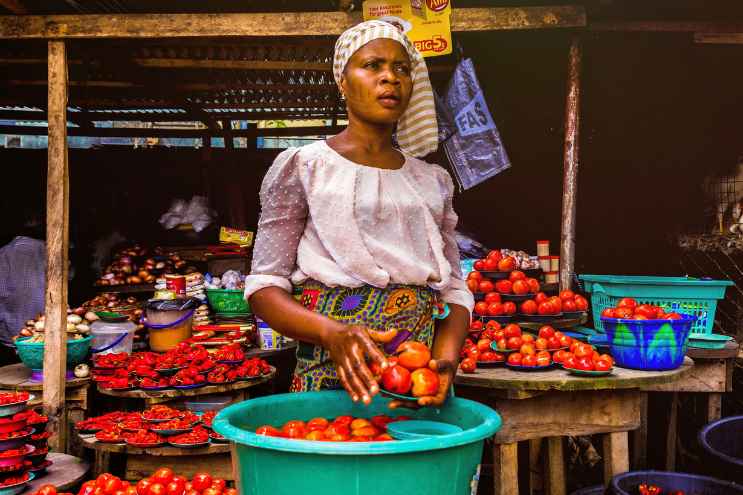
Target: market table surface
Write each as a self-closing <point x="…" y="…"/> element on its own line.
<point x="65" y="472"/>
<point x="553" y="404"/>
<point x="17" y="377"/>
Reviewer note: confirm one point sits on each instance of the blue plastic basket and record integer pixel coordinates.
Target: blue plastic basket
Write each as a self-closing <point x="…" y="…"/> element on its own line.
<point x="680" y="294"/>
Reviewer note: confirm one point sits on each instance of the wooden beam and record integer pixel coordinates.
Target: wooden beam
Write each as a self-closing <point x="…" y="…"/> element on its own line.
<point x="570" y="167"/>
<point x="668" y="26"/>
<point x="719" y="38"/>
<point x="14" y="6"/>
<point x="268" y="24"/>
<point x="616" y="455"/>
<point x="118" y="116"/>
<point x="173" y="133"/>
<point x="57" y="243"/>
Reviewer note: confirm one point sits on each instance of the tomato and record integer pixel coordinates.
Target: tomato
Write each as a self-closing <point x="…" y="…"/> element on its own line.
<point x="520" y="287"/>
<point x="581" y="303"/>
<point x="492" y="325"/>
<point x="112" y="485"/>
<point x="180" y="479"/>
<point x="569" y="361"/>
<point x="546" y="331"/>
<point x="608" y="313"/>
<point x="553" y="343"/>
<point x="517" y="275"/>
<point x="489" y="265"/>
<point x="479" y="265"/>
<point x="507" y="264"/>
<point x="87" y="488"/>
<point x="175" y="488"/>
<point x="646" y="310"/>
<point x="143" y="486"/>
<point x="527" y="349"/>
<point x="346" y="420"/>
<point x="413" y="355"/>
<point x="473" y="353"/>
<point x="509" y="308"/>
<point x="512" y="330"/>
<point x="219" y="484"/>
<point x="156" y="489"/>
<point x="673" y="316"/>
<point x="131" y="490"/>
<point x="397" y="379"/>
<point x="543" y="358"/>
<point x="540" y="297"/>
<point x="492" y="297"/>
<point x="569" y="305"/>
<point x="566" y="294"/>
<point x="565" y="341"/>
<point x="533" y="285"/>
<point x="483" y="345"/>
<point x="488" y="357"/>
<point x="472" y="284"/>
<point x="476" y="325"/>
<point x="485" y="286"/>
<point x="584" y="363"/>
<point x="163" y="475"/>
<point x="501" y="344"/>
<point x="495" y="254"/>
<point x="541" y="344"/>
<point x="230" y="491"/>
<point x="527" y="338"/>
<point x="268" y="431"/>
<point x="481" y="308"/>
<point x="514" y="343"/>
<point x="498" y="334"/>
<point x="623" y="312"/>
<point x="192" y="492"/>
<point x="47" y="490"/>
<point x="529" y="360"/>
<point x="515" y="358"/>
<point x="556" y="303"/>
<point x="607" y="358"/>
<point x="583" y="350"/>
<point x="102" y="479"/>
<point x="384" y="437"/>
<point x="640" y="317"/>
<point x="495" y="309"/>
<point x="559" y="356"/>
<point x="544" y="308"/>
<point x="602" y="365"/>
<point x="528" y="307"/>
<point x="627" y="302"/>
<point x="425" y="382"/>
<point x="475" y="276"/>
<point x="202" y="481"/>
<point x="211" y="491"/>
<point x="504" y="286"/>
<point x="317" y="424"/>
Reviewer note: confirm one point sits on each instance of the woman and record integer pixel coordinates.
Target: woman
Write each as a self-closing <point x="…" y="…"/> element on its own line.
<point x="364" y="229"/>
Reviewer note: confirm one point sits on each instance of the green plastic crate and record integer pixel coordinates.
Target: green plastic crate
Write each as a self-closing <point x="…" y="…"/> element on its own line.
<point x="681" y="294"/>
<point x="227" y="301"/>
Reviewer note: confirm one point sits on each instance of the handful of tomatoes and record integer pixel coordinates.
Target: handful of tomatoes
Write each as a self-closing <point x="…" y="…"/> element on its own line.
<point x="409" y="371"/>
<point x="628" y="308"/>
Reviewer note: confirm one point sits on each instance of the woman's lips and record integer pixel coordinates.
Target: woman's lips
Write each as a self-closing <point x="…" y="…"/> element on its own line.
<point x="390" y="101"/>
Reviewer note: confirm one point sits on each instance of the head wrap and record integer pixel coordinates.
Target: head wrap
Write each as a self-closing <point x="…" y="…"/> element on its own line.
<point x="417" y="129"/>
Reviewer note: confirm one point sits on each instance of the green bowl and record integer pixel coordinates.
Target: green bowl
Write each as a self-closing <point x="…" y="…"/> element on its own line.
<point x="227" y="300"/>
<point x="708" y="340"/>
<point x="32" y="354"/>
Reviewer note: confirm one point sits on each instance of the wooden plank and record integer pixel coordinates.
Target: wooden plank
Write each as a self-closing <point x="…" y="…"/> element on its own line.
<point x="57" y="243"/>
<point x="505" y="469"/>
<point x="555" y="467"/>
<point x="640" y="437"/>
<point x="572" y="413"/>
<point x="268" y="24"/>
<point x="65" y="473"/>
<point x="570" y="160"/>
<point x="237" y="478"/>
<point x="16" y="377"/>
<point x="729" y="351"/>
<point x="705" y="376"/>
<point x="668" y="26"/>
<point x="185" y="63"/>
<point x="672" y="434"/>
<point x="616" y="455"/>
<point x="141" y="466"/>
<point x="714" y="407"/>
<point x="14" y="6"/>
<point x="535" y="466"/>
<point x="185" y="133"/>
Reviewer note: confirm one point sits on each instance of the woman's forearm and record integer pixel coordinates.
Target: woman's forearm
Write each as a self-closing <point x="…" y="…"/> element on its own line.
<point x="450" y="334"/>
<point x="288" y="317"/>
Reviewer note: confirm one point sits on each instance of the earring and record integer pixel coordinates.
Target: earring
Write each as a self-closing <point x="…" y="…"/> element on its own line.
<point x="343" y="96"/>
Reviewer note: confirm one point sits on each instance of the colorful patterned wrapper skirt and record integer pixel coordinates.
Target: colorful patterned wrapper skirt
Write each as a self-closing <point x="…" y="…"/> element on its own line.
<point x="409" y="308"/>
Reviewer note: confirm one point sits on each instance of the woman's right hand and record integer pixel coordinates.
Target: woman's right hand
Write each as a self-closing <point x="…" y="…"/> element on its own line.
<point x="349" y="347"/>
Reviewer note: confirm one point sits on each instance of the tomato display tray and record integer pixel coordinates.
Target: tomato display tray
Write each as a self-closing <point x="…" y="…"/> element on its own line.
<point x="496" y="275"/>
<point x="154" y="389"/>
<point x="499" y="319"/>
<point x="13" y="468"/>
<point x="574" y="314"/>
<point x="222" y="383"/>
<point x="17" y="459"/>
<point x="40" y="469"/>
<point x="14" y="443"/>
<point x="146" y="445"/>
<point x="592" y="373"/>
<point x="393" y="395"/>
<point x="118" y="440"/>
<point x="230" y="361"/>
<point x="170" y="433"/>
<point x="218" y="440"/>
<point x="490" y="364"/>
<point x="12" y="426"/>
<point x="17" y="488"/>
<point x="540" y="318"/>
<point x="189" y="387"/>
<point x="189" y="445"/>
<point x="493" y="346"/>
<point x="516" y="367"/>
<point x="169" y="371"/>
<point x="516" y="297"/>
<point x="14" y="407"/>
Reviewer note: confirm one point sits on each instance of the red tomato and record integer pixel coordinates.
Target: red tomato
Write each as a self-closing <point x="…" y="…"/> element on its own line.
<point x="413" y="355"/>
<point x="501" y="344"/>
<point x="131" y="490"/>
<point x="627" y="302"/>
<point x="623" y="312"/>
<point x="515" y="358"/>
<point x="347" y="420"/>
<point x="546" y="331"/>
<point x="556" y="303"/>
<point x="211" y="491"/>
<point x="156" y="489"/>
<point x="528" y="307"/>
<point x="219" y="484"/>
<point x="581" y="303"/>
<point x="163" y="475"/>
<point x="175" y="488"/>
<point x="540" y="297"/>
<point x="192" y="492"/>
<point x="544" y="308"/>
<point x="504" y="286"/>
<point x="397" y="379"/>
<point x="543" y="358"/>
<point x="268" y="431"/>
<point x="483" y="345"/>
<point x="468" y="365"/>
<point x="527" y="349"/>
<point x="509" y="308"/>
<point x="569" y="305"/>
<point x="472" y="353"/>
<point x="472" y="284"/>
<point x="584" y="363"/>
<point x="517" y="275"/>
<point x="507" y="264"/>
<point x="475" y="325"/>
<point x="533" y="285"/>
<point x="143" y="486"/>
<point x="520" y="287"/>
<point x="514" y="343"/>
<point x="202" y="481"/>
<point x="479" y="265"/>
<point x="102" y="479"/>
<point x="489" y="265"/>
<point x="475" y="275"/>
<point x="112" y="485"/>
<point x="485" y="286"/>
<point x="512" y="330"/>
<point x="583" y="350"/>
<point x="527" y="338"/>
<point x="189" y="486"/>
<point x="553" y="343"/>
<point x="541" y="344"/>
<point x="337" y="429"/>
<point x="565" y="341"/>
<point x="559" y="356"/>
<point x="640" y="317"/>
<point x="529" y="360"/>
<point x="492" y="297"/>
<point x="179" y="478"/>
<point x="495" y="309"/>
<point x="230" y="491"/>
<point x="569" y="361"/>
<point x="602" y="365"/>
<point x="673" y="316"/>
<point x="481" y="308"/>
<point x="487" y="357"/>
<point x="425" y="382"/>
<point x="567" y="294"/>
<point x="47" y="490"/>
<point x="495" y="254"/>
<point x="608" y="313"/>
<point x="646" y="310"/>
<point x="317" y="424"/>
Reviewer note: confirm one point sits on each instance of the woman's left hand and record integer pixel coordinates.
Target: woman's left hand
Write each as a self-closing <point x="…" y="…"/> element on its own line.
<point x="446" y="370"/>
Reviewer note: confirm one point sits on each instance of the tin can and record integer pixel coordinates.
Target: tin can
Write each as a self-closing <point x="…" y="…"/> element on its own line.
<point x="176" y="283"/>
<point x="551" y="277"/>
<point x="544" y="263"/>
<point x="543" y="248"/>
<point x="554" y="263"/>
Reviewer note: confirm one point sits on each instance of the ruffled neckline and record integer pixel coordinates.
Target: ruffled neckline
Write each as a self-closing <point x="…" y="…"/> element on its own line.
<point x="342" y="158"/>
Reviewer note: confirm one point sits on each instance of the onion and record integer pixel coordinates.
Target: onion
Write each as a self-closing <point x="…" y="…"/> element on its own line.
<point x="74" y="319"/>
<point x="39" y="325"/>
<point x="90" y="316"/>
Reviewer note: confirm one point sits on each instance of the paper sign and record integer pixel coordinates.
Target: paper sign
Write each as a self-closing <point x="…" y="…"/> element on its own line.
<point x="425" y="22"/>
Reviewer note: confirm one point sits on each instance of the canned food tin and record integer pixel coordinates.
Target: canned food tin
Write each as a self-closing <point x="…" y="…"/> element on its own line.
<point x="176" y="283"/>
<point x="543" y="248"/>
<point x="544" y="263"/>
<point x="551" y="277"/>
<point x="554" y="263"/>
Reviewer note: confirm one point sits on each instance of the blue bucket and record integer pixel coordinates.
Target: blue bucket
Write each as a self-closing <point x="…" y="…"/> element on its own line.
<point x="648" y="344"/>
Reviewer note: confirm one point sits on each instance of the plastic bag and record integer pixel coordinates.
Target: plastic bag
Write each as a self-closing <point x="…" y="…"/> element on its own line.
<point x="470" y="138"/>
<point x="196" y="212"/>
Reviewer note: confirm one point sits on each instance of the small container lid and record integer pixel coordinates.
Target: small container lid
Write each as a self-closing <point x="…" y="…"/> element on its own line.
<point x="181" y="304"/>
<point x="102" y="326"/>
<point x="554" y="257"/>
<point x="544" y="257"/>
<point x="543" y="242"/>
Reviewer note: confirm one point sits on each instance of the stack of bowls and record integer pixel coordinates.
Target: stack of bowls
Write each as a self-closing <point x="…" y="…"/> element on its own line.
<point x="15" y="446"/>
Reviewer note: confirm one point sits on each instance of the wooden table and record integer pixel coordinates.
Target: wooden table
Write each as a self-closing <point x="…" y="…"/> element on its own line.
<point x="553" y="404"/>
<point x="65" y="473"/>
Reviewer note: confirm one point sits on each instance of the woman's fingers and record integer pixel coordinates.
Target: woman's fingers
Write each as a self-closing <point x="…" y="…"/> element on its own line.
<point x="372" y="350"/>
<point x="353" y="370"/>
<point x="408" y="404"/>
<point x="346" y="383"/>
<point x="362" y="370"/>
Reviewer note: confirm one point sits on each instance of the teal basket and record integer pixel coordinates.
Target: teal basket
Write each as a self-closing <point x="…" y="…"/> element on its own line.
<point x="227" y="301"/>
<point x="32" y="353"/>
<point x="681" y="294"/>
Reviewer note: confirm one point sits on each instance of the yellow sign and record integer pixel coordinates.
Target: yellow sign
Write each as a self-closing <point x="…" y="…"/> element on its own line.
<point x="425" y="22"/>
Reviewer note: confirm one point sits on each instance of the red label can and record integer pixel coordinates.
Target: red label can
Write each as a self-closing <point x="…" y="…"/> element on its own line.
<point x="176" y="283"/>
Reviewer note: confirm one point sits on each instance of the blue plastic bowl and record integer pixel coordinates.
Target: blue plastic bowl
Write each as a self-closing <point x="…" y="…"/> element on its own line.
<point x="722" y="443"/>
<point x="648" y="344"/>
<point x="693" y="484"/>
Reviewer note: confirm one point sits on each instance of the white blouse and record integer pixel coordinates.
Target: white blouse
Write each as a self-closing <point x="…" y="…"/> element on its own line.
<point x="341" y="223"/>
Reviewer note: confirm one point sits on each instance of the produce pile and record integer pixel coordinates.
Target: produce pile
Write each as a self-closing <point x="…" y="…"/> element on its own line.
<point x="133" y="266"/>
<point x="231" y="279"/>
<point x="185" y="366"/>
<point x="408" y="371"/>
<point x="506" y="260"/>
<point x="78" y="326"/>
<point x="156" y="426"/>
<point x="340" y="429"/>
<point x="627" y="308"/>
<point x="23" y="440"/>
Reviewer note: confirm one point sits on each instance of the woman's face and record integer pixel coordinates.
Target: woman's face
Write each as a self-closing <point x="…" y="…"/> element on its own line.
<point x="377" y="82"/>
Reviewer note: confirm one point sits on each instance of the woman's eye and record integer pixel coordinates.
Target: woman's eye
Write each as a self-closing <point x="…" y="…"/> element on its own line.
<point x="404" y="69"/>
<point x="372" y="65"/>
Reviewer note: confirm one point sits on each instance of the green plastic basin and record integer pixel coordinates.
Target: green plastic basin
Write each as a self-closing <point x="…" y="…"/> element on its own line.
<point x="445" y="465"/>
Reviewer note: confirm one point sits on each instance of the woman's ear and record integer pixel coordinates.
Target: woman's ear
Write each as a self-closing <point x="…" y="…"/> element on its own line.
<point x="342" y="86"/>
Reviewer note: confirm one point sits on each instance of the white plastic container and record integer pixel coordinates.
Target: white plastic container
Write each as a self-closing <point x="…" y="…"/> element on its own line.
<point x="109" y="337"/>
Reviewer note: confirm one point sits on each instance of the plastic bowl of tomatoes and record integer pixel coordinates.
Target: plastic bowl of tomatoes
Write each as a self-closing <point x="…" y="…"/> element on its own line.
<point x="16" y="483"/>
<point x="198" y="437"/>
<point x="14" y="457"/>
<point x="13" y="402"/>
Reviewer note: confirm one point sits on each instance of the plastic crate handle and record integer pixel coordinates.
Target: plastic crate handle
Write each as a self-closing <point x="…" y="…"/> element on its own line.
<point x="597" y="287"/>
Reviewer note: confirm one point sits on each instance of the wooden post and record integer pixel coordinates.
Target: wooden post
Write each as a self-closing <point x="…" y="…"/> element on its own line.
<point x="57" y="242"/>
<point x="672" y="433"/>
<point x="506" y="468"/>
<point x="640" y="438"/>
<point x="570" y="167"/>
<point x="616" y="455"/>
<point x="555" y="467"/>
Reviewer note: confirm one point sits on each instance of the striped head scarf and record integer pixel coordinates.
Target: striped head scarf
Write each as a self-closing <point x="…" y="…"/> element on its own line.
<point x="417" y="129"/>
